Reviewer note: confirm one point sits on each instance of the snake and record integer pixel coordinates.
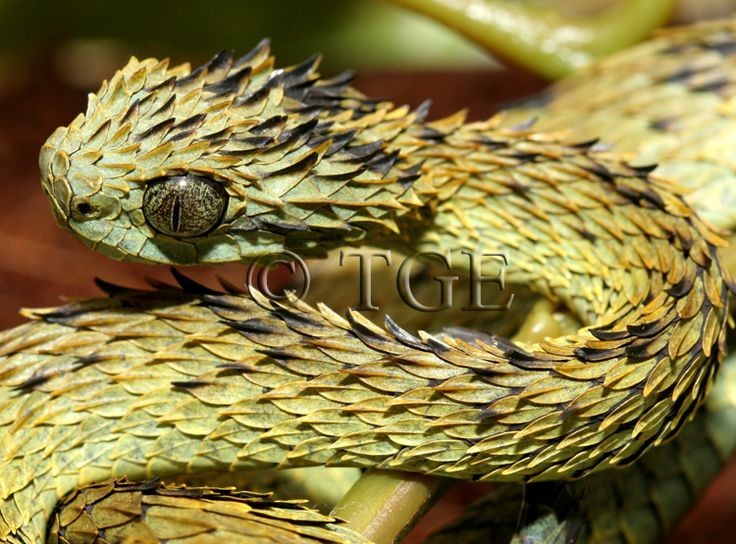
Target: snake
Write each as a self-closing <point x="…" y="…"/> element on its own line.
<point x="238" y="159"/>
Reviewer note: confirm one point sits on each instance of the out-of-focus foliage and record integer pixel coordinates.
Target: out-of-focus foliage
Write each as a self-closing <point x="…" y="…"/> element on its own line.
<point x="361" y="33"/>
<point x="86" y="38"/>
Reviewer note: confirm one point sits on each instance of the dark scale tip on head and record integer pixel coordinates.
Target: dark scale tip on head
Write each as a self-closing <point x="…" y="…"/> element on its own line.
<point x="337" y="82"/>
<point x="158" y="131"/>
<point x="191" y="78"/>
<point x="586" y="234"/>
<point x="303" y="166"/>
<point x="262" y="49"/>
<point x="644" y="170"/>
<point x="166" y="85"/>
<point x="219" y="64"/>
<point x="276" y="122"/>
<point x="365" y="151"/>
<point x="339" y="141"/>
<point x="382" y="163"/>
<point x="644" y="348"/>
<point x="191" y="123"/>
<point x="289" y="137"/>
<point x="231" y="84"/>
<point x="302" y="73"/>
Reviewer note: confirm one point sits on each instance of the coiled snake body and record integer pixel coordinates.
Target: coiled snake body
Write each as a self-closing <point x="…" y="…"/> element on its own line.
<point x="238" y="159"/>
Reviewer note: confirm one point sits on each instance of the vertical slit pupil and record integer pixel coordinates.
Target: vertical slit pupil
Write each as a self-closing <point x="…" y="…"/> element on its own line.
<point x="176" y="214"/>
<point x="184" y="206"/>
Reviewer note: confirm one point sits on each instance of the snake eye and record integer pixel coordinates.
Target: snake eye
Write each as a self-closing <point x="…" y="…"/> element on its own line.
<point x="184" y="206"/>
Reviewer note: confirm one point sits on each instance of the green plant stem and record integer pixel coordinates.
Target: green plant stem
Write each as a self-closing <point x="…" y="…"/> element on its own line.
<point x="541" y="38"/>
<point x="383" y="505"/>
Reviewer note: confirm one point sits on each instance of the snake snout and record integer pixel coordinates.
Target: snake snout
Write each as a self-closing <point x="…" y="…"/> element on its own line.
<point x="53" y="188"/>
<point x="54" y="166"/>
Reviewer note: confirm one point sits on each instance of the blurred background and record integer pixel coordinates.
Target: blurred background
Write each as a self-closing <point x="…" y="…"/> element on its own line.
<point x="53" y="53"/>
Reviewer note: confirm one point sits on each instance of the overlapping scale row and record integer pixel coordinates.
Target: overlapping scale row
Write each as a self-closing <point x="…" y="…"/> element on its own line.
<point x="152" y="512"/>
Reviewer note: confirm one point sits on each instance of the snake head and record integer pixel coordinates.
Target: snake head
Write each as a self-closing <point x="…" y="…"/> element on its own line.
<point x="227" y="162"/>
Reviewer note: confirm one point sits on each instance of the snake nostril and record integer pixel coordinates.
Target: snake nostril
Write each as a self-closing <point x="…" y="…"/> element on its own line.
<point x="84" y="208"/>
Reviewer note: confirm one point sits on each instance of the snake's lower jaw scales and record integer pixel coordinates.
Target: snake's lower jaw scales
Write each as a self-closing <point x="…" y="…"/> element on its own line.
<point x="238" y="159"/>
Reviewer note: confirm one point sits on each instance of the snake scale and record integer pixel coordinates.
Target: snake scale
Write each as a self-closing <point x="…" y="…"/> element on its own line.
<point x="238" y="159"/>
